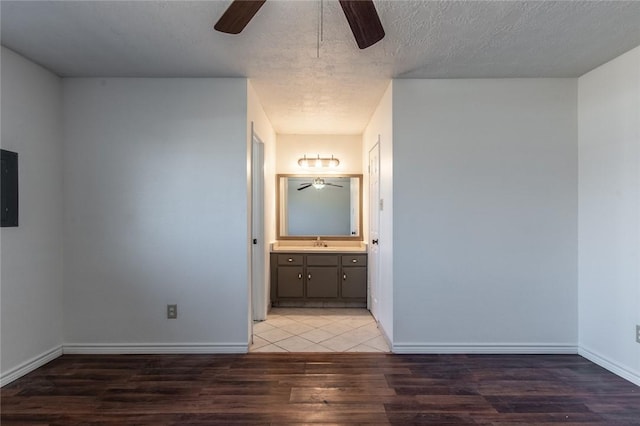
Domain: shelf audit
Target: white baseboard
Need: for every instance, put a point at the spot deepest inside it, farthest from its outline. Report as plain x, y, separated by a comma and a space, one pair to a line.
30, 365
154, 348
496, 348
610, 365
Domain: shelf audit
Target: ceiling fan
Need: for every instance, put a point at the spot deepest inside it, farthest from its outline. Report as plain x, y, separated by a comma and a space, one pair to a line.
317, 183
361, 14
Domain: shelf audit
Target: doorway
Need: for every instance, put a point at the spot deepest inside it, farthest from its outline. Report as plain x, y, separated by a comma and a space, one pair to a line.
318, 330
374, 225
258, 252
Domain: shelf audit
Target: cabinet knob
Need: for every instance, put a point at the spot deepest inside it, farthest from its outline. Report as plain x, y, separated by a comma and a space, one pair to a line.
354, 260
344, 277
309, 277
290, 259
300, 276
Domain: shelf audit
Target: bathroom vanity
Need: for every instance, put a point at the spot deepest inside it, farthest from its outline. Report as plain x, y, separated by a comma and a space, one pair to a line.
319, 259
335, 279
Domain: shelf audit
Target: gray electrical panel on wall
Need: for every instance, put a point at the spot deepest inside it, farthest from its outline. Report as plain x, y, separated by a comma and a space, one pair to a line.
9, 190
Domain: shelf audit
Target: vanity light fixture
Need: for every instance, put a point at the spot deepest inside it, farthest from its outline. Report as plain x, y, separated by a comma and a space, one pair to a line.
318, 162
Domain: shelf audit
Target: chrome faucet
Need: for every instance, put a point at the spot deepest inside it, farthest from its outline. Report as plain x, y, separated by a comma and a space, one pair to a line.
319, 243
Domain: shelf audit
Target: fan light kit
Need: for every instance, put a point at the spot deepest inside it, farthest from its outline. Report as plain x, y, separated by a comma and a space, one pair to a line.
361, 15
318, 162
318, 183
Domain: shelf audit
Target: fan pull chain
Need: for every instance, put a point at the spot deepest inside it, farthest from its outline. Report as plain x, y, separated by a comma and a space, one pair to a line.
320, 27
321, 20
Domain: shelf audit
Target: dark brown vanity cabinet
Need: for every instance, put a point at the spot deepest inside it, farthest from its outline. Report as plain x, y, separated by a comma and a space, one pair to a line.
354, 276
309, 278
290, 278
322, 276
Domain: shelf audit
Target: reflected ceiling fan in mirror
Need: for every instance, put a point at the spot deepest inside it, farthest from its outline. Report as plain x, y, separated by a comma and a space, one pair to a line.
317, 183
361, 14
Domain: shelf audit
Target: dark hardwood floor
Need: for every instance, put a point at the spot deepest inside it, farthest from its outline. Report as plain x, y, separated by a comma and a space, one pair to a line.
320, 388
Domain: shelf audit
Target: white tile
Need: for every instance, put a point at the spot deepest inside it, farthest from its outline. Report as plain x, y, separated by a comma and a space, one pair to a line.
262, 327
363, 348
317, 348
356, 322
270, 348
297, 311
280, 321
317, 335
366, 332
294, 344
274, 335
336, 328
373, 327
355, 337
296, 328
258, 342
379, 343
318, 330
317, 321
339, 343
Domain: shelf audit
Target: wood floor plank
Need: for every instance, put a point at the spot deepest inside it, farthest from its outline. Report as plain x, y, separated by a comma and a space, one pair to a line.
320, 388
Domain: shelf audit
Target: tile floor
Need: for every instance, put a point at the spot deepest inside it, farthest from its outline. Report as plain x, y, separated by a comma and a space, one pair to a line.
318, 330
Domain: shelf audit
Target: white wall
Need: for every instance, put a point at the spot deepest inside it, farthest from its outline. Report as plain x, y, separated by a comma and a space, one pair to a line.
609, 214
485, 215
31, 289
380, 128
263, 128
346, 148
155, 213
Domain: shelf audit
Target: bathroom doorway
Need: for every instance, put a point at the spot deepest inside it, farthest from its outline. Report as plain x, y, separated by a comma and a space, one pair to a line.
258, 245
318, 330
374, 224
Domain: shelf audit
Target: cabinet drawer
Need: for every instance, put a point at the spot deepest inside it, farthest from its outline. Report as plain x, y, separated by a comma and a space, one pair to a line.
290, 259
322, 260
354, 260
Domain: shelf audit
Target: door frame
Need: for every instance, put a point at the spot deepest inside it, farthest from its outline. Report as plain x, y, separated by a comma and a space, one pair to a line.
258, 256
373, 267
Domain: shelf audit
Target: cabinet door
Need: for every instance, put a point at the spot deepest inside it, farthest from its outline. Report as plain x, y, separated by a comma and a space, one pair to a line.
290, 282
322, 282
354, 282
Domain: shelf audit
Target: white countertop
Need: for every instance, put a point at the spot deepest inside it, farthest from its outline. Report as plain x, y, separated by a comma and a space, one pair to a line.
307, 246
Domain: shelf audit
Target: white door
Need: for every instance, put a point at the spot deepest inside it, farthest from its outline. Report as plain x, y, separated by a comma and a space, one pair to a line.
374, 224
258, 283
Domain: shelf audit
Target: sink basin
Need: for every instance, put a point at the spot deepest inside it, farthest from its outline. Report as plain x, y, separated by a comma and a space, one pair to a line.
307, 246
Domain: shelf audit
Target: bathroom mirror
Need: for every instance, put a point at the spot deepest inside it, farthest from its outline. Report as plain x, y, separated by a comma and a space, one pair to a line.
325, 206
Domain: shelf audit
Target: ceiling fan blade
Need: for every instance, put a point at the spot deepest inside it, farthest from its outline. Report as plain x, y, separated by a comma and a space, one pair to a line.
238, 15
333, 184
364, 21
304, 187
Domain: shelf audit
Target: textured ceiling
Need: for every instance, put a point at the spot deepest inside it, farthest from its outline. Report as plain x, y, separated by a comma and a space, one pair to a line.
337, 92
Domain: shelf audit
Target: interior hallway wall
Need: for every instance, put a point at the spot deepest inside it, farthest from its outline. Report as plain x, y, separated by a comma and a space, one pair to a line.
155, 213
609, 214
381, 125
262, 126
32, 253
485, 215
